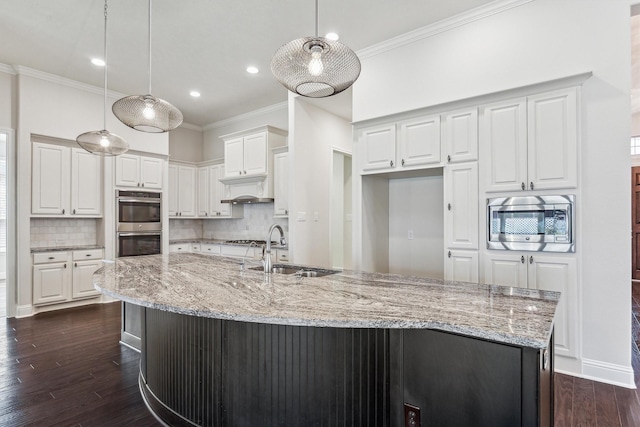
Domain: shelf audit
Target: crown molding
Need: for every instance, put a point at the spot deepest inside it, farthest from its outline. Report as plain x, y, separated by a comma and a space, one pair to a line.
31, 72
255, 113
7, 69
191, 126
461, 19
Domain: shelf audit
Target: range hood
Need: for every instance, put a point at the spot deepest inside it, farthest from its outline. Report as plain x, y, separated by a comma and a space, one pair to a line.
247, 199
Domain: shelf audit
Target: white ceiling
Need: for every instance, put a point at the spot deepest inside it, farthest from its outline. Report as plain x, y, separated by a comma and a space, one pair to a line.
204, 45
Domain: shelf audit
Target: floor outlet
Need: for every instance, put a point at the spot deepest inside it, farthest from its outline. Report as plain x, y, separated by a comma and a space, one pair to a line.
411, 416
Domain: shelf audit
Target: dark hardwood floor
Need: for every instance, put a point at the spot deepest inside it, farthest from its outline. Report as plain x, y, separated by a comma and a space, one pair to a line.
66, 368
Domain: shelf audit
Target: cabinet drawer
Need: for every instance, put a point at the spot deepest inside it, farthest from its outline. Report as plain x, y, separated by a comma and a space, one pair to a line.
282, 256
87, 254
195, 247
47, 257
210, 249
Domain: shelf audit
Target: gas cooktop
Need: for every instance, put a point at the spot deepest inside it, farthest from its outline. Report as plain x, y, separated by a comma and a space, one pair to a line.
248, 242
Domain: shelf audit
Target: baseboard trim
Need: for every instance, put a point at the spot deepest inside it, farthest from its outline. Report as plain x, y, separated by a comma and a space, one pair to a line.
24, 311
609, 373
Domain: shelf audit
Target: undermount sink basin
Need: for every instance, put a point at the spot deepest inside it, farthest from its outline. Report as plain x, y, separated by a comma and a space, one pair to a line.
299, 270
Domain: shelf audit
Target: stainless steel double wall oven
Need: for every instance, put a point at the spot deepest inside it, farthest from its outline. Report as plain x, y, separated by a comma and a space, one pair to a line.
139, 226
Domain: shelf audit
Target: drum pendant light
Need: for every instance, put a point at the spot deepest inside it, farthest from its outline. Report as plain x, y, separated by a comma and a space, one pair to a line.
103, 142
315, 67
147, 113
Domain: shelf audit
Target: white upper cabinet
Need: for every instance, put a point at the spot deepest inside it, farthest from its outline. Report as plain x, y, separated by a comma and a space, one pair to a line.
246, 155
211, 192
234, 157
203, 191
460, 135
461, 206
182, 190
503, 142
530, 143
419, 141
65, 181
378, 147
138, 171
553, 140
281, 184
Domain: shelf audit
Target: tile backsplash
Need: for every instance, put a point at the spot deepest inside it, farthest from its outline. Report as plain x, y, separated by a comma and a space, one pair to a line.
182, 229
255, 224
54, 232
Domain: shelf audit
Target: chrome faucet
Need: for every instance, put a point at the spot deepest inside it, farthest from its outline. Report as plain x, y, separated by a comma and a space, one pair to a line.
267, 255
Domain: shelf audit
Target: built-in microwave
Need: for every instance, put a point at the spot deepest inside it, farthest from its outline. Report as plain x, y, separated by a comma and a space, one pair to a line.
531, 223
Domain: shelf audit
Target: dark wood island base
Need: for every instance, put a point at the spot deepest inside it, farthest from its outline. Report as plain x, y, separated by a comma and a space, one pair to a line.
210, 372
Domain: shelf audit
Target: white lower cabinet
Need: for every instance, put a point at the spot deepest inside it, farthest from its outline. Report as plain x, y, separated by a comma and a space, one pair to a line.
180, 247
461, 265
547, 273
64, 276
209, 249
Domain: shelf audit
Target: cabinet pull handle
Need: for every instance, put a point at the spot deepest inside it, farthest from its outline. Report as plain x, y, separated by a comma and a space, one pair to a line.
402, 162
62, 210
531, 259
522, 259
75, 264
391, 163
52, 257
142, 185
531, 185
286, 212
88, 255
449, 254
138, 184
448, 206
448, 158
74, 211
522, 186
239, 172
245, 172
65, 266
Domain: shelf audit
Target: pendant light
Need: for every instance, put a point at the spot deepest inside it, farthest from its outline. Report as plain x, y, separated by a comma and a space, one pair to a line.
103, 142
147, 113
315, 67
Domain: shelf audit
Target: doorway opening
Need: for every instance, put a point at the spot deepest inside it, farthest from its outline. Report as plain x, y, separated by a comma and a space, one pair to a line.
341, 213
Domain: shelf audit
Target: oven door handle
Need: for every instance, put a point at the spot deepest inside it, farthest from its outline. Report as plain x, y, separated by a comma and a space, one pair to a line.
152, 233
134, 200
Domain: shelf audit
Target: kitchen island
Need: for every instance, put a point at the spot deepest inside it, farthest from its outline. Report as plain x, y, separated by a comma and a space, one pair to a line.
230, 347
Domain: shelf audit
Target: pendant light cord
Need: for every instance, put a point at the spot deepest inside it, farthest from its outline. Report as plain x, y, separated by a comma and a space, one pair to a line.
149, 47
317, 18
106, 64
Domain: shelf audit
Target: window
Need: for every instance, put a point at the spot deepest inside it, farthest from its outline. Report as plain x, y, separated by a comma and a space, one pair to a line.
635, 145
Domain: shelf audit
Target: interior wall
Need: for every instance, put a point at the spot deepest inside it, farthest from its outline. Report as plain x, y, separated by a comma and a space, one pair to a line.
213, 147
313, 135
513, 49
186, 144
348, 213
7, 100
415, 207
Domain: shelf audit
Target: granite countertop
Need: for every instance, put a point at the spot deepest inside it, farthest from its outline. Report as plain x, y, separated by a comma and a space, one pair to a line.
66, 248
205, 286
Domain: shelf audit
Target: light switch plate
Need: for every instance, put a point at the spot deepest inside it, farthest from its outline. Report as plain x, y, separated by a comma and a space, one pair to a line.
302, 216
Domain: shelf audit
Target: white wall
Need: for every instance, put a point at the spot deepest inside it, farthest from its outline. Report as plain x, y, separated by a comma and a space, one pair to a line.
186, 144
313, 134
532, 43
7, 100
213, 148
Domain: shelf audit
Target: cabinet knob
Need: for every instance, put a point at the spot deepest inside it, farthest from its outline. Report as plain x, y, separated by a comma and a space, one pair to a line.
522, 259
449, 254
88, 255
239, 172
449, 158
522, 186
286, 212
245, 172
62, 210
52, 257
402, 162
142, 185
531, 259
448, 206
391, 163
75, 264
138, 184
531, 185
74, 211
65, 266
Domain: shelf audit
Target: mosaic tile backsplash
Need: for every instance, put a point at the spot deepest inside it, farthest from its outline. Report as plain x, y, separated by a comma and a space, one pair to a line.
255, 225
51, 232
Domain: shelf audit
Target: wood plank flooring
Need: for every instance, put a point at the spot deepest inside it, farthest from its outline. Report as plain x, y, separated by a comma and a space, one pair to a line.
66, 368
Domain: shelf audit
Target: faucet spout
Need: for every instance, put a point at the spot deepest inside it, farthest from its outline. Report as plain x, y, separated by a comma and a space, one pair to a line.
267, 255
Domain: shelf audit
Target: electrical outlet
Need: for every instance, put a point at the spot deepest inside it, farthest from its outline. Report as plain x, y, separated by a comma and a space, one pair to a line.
411, 416
302, 216
410, 235
316, 216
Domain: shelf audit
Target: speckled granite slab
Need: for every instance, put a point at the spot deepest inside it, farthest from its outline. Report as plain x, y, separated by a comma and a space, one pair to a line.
66, 248
205, 286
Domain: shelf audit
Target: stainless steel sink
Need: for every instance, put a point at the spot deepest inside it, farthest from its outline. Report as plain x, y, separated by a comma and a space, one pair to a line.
299, 270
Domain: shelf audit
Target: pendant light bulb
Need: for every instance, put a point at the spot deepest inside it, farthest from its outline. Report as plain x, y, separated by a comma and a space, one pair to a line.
104, 141
148, 112
315, 65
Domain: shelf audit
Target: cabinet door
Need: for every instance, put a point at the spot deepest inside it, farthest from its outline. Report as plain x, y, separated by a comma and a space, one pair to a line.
255, 154
187, 191
50, 179
503, 136
461, 266
461, 135
173, 190
82, 282
555, 273
151, 172
234, 157
461, 205
210, 249
378, 147
203, 191
127, 170
419, 141
86, 183
505, 269
50, 283
553, 140
281, 184
217, 193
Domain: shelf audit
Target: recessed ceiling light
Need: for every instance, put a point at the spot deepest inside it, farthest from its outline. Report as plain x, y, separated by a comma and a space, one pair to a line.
332, 36
194, 93
97, 61
252, 70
